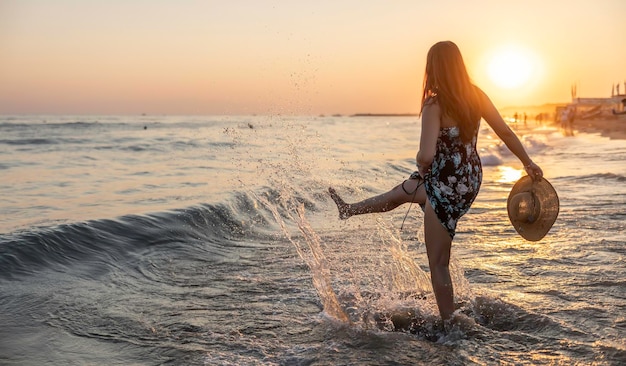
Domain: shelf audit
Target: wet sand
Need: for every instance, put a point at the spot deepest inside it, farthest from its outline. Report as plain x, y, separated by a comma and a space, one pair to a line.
612, 128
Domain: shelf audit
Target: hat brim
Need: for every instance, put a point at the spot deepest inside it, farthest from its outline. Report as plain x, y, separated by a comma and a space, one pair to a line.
549, 203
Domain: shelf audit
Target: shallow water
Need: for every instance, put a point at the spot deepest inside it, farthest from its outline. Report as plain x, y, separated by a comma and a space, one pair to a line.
211, 240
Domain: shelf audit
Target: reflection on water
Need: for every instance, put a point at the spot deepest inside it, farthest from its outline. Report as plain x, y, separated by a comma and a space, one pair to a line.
508, 174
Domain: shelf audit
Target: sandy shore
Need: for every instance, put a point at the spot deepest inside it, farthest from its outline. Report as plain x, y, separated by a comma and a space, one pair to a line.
611, 128
615, 129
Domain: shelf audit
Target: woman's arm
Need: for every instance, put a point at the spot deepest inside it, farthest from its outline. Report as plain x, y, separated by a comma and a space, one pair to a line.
431, 120
504, 132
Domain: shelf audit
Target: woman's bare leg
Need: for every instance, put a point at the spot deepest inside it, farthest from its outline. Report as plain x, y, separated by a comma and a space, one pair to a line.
438, 246
383, 202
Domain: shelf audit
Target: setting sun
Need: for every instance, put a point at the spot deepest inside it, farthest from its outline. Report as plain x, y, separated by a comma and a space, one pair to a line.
512, 67
212, 57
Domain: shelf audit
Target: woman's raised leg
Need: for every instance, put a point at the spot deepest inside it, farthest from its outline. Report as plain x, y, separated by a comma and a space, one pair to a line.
400, 194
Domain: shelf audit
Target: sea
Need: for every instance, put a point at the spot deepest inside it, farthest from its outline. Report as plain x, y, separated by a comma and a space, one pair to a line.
212, 240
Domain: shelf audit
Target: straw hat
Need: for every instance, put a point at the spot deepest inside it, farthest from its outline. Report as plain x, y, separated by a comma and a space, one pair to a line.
533, 207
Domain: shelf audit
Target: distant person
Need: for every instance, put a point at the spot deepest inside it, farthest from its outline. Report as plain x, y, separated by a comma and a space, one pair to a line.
571, 116
563, 117
449, 171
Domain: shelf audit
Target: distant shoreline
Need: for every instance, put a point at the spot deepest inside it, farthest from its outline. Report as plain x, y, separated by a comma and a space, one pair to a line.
384, 115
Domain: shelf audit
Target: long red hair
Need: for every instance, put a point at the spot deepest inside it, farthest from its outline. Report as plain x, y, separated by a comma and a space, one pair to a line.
447, 83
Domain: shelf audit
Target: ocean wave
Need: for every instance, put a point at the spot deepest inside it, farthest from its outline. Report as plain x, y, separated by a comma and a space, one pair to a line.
211, 228
42, 141
533, 144
494, 152
30, 124
34, 141
111, 241
596, 177
490, 160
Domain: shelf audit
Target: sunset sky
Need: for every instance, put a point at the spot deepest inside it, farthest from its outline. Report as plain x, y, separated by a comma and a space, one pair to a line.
296, 57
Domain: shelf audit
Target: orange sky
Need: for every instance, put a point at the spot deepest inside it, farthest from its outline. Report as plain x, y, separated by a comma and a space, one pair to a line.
292, 57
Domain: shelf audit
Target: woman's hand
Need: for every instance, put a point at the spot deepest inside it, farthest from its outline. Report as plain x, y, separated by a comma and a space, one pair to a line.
423, 170
534, 171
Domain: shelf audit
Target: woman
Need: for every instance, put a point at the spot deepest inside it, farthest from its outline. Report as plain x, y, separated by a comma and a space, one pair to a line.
449, 170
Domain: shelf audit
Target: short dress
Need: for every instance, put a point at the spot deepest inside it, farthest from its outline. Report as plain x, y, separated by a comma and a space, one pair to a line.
454, 178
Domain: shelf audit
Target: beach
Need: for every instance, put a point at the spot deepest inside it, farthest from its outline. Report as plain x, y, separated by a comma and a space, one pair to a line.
614, 128
211, 240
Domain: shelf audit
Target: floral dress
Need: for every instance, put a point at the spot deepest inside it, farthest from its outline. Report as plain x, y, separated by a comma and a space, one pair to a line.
454, 178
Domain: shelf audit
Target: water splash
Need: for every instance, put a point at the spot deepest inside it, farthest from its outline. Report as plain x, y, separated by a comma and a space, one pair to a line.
366, 298
311, 253
405, 274
399, 297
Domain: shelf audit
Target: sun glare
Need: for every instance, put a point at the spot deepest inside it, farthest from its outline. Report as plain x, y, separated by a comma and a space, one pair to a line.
511, 67
508, 174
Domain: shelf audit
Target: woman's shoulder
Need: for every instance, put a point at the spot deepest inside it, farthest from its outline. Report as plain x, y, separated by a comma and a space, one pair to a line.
431, 111
480, 94
431, 104
431, 99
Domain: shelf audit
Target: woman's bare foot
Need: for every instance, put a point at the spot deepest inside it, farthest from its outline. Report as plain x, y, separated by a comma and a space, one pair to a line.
462, 322
341, 205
